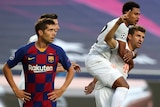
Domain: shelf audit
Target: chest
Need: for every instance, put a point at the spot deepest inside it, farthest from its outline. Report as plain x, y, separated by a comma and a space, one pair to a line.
48, 57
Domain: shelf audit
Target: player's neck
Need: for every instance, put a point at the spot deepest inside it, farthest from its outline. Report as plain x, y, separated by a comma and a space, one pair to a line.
131, 47
41, 46
126, 23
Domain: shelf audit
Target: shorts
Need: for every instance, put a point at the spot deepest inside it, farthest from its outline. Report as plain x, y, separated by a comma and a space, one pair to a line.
103, 97
21, 86
102, 69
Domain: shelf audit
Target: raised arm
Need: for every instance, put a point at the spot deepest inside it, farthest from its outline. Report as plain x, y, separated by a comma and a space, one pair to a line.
109, 38
125, 54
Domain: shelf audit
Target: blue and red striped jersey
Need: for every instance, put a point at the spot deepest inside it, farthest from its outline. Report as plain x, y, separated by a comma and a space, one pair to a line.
40, 70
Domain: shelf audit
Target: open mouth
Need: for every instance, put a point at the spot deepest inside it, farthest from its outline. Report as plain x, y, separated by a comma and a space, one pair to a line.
137, 21
139, 44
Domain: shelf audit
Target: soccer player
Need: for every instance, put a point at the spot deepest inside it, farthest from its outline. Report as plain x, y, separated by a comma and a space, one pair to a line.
103, 95
40, 60
33, 39
98, 60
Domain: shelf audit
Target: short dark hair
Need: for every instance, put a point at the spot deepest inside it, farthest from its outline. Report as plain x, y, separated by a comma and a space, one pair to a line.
129, 6
41, 24
52, 16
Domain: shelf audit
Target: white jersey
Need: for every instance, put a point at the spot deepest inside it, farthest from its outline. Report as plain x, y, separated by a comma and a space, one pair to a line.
33, 38
101, 47
98, 63
118, 61
102, 93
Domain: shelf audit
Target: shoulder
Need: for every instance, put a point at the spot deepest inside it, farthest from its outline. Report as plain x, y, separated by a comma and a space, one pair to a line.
108, 26
56, 47
123, 26
122, 32
29, 45
26, 47
122, 29
112, 22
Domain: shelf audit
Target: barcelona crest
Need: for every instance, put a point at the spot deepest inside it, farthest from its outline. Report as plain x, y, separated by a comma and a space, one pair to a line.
50, 59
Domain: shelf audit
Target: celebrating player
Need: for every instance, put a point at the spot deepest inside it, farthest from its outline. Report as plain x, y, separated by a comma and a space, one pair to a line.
98, 60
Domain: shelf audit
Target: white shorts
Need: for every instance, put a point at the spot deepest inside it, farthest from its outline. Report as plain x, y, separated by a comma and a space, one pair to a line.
21, 86
102, 69
103, 97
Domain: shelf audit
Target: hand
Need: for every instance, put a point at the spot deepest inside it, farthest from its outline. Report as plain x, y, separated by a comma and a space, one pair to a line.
128, 56
124, 17
24, 96
89, 89
76, 67
55, 94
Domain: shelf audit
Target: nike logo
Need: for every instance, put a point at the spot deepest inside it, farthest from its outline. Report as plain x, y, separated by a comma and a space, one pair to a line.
30, 58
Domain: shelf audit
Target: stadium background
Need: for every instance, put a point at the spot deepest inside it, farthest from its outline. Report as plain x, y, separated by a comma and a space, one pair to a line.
81, 22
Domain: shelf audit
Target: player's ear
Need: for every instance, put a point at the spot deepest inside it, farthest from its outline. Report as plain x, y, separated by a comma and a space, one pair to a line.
40, 32
129, 36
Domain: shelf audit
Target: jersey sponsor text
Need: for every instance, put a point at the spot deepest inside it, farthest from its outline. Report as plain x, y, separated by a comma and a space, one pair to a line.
39, 69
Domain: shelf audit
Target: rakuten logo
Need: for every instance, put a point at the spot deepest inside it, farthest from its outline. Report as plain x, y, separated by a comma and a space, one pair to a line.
39, 69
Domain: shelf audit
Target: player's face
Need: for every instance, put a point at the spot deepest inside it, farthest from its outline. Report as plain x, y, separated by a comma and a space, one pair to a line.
49, 34
137, 39
56, 25
134, 16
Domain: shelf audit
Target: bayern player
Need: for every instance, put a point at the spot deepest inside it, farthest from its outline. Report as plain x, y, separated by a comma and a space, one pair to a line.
103, 94
98, 60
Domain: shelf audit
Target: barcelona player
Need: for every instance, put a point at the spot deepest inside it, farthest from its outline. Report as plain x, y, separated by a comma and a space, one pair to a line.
39, 60
34, 38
